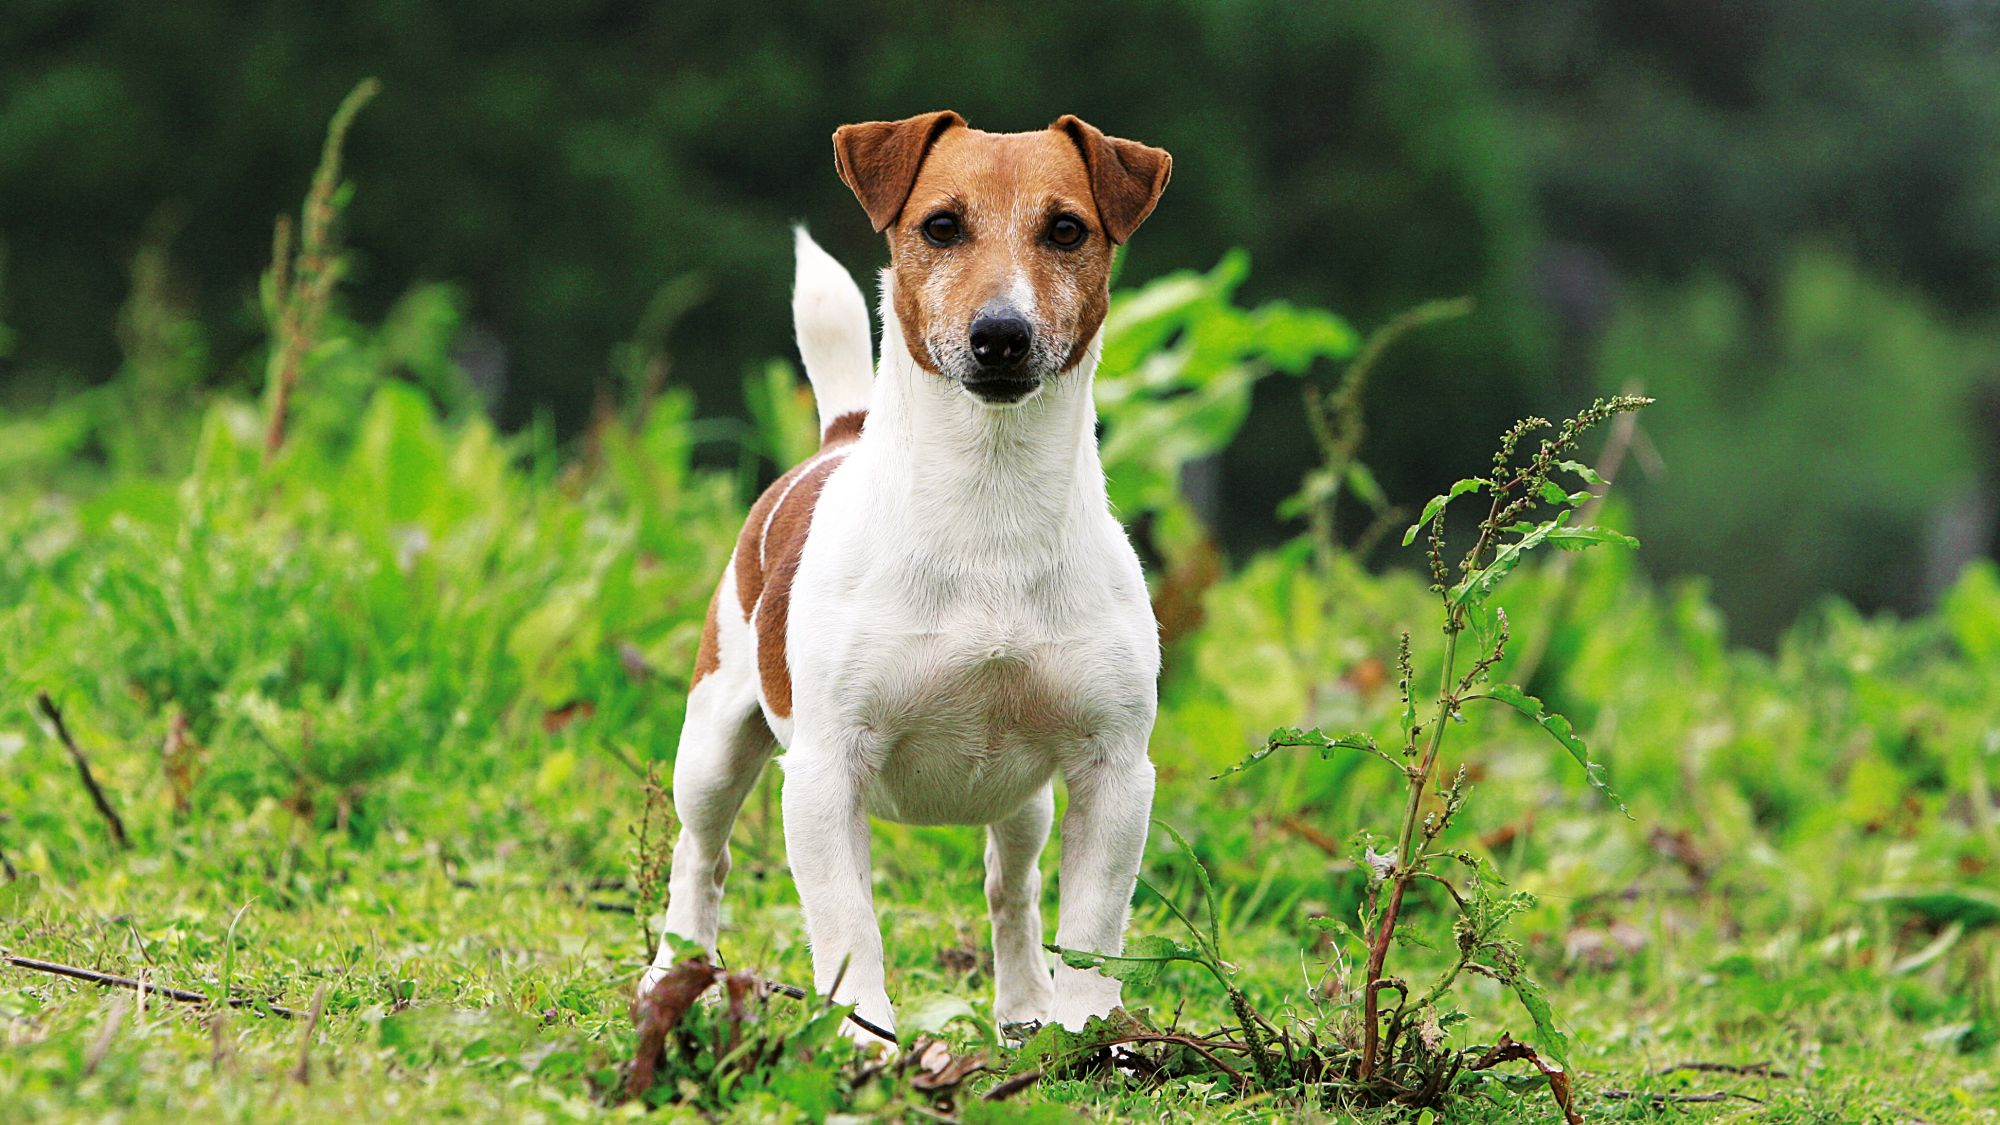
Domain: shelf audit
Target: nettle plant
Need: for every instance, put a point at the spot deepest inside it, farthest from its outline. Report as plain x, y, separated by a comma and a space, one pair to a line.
1386, 1040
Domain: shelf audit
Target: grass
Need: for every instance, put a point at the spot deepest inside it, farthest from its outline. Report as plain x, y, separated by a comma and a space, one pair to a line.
377, 708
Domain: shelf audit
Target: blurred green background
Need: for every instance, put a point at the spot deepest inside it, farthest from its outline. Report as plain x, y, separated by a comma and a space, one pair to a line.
1782, 217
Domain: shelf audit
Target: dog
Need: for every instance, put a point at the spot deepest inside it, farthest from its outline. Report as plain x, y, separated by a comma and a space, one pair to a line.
937, 613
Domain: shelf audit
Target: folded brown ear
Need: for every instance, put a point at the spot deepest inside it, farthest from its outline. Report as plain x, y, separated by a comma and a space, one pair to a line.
878, 160
1126, 176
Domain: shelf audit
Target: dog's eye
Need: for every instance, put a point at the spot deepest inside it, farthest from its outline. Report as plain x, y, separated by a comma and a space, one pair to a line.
941, 229
1066, 232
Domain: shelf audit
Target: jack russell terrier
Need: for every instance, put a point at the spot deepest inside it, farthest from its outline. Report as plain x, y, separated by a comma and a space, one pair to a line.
937, 612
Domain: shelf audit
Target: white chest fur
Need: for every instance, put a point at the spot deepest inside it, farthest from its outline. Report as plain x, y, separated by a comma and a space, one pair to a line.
968, 618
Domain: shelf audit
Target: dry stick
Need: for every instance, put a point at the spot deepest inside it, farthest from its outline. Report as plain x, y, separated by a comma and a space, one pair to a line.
797, 993
302, 1073
113, 1020
1013, 1086
1759, 1069
107, 980
54, 715
1674, 1099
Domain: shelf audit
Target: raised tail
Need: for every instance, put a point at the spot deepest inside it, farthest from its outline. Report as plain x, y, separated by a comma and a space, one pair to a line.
831, 320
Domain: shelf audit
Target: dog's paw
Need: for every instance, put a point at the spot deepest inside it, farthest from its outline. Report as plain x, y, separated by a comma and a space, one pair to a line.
1020, 1007
869, 1043
1081, 995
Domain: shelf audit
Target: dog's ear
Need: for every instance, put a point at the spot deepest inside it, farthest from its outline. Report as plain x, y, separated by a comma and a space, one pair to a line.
1125, 176
878, 160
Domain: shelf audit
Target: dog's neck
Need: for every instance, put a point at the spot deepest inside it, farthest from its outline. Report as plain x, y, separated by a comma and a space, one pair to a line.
1023, 472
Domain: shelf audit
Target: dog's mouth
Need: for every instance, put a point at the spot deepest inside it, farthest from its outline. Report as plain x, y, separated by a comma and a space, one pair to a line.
1001, 388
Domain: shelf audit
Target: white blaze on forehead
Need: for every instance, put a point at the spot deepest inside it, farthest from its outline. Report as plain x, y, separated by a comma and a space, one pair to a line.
1020, 297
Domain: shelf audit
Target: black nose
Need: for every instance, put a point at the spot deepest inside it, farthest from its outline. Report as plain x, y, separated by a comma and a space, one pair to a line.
1000, 341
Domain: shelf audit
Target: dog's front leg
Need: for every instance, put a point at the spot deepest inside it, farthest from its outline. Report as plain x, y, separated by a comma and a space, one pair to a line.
1021, 987
1103, 837
826, 838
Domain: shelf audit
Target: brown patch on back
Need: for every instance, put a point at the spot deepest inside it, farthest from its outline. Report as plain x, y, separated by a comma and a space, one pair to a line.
768, 551
708, 655
845, 428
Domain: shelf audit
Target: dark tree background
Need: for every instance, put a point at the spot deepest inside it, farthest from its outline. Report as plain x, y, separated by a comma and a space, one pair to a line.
1603, 175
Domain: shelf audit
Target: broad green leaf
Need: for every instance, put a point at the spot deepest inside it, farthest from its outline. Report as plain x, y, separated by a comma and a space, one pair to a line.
1559, 728
1553, 493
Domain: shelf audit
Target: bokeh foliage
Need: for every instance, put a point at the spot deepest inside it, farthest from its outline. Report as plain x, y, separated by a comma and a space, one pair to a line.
565, 168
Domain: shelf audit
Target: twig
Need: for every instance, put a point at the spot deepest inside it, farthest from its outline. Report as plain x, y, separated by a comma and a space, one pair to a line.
55, 718
797, 993
302, 1073
113, 1020
1675, 1099
1012, 1086
107, 980
218, 1046
1759, 1069
1235, 1076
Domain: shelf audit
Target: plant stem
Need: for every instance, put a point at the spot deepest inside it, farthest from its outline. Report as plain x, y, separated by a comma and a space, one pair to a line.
1378, 949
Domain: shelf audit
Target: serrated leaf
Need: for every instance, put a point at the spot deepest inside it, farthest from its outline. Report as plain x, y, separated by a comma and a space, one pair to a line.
1285, 738
1549, 1039
1437, 504
1559, 728
1144, 959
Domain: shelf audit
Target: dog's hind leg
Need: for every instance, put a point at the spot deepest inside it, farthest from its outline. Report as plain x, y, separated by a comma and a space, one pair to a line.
724, 745
1022, 989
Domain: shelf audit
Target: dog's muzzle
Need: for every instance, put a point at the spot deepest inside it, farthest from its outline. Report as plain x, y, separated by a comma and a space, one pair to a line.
1001, 342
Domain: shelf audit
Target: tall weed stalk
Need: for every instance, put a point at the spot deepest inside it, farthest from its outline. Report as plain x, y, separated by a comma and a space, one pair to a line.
1389, 1041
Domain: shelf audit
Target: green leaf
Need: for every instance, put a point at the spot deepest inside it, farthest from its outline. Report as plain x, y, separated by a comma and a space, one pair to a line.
1144, 959
932, 1013
1436, 506
1969, 906
1285, 738
1361, 481
1552, 493
1549, 1039
1482, 582
1559, 728
1581, 538
1589, 474
1211, 902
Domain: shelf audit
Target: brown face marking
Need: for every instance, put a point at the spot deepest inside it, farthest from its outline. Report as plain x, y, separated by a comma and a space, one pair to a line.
767, 557
1003, 193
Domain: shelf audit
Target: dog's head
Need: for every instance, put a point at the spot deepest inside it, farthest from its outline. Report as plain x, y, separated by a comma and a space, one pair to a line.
1001, 242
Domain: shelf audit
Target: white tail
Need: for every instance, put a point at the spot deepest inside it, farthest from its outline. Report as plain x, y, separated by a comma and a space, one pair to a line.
831, 320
